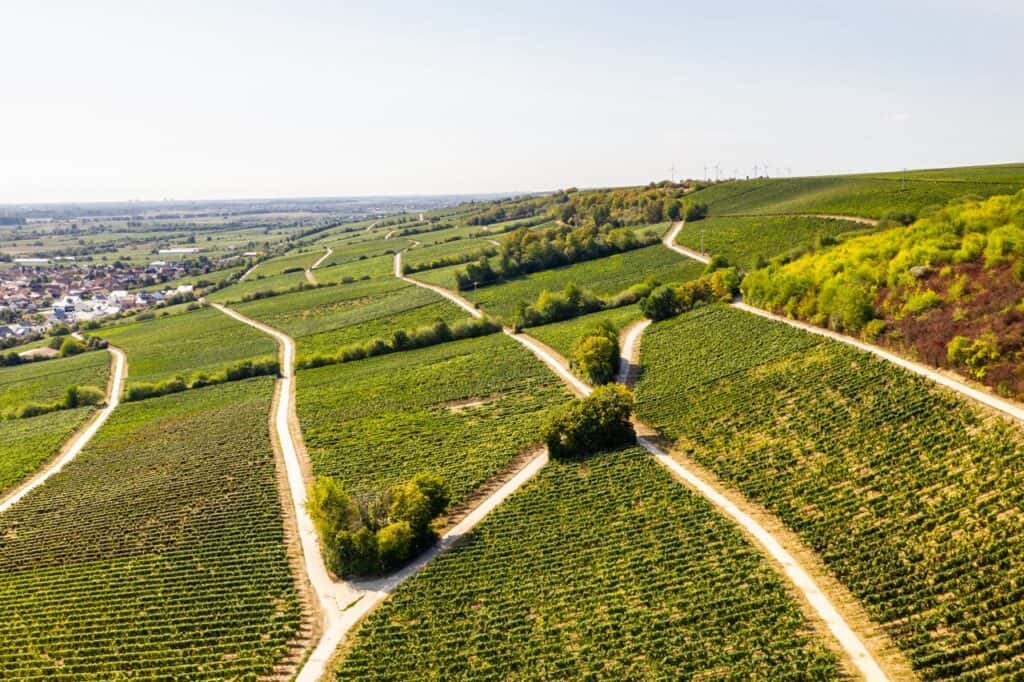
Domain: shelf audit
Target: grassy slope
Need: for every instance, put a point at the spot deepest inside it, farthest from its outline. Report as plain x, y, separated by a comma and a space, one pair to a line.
379, 421
910, 496
741, 240
606, 569
257, 282
863, 195
46, 381
603, 276
202, 340
26, 443
157, 552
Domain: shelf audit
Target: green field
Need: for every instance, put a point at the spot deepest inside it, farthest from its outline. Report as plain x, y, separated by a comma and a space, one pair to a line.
743, 240
872, 195
603, 276
562, 336
463, 409
326, 319
199, 341
374, 267
157, 553
46, 381
604, 570
25, 444
256, 282
909, 495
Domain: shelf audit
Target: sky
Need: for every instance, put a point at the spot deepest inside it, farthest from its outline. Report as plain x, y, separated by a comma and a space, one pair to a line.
190, 100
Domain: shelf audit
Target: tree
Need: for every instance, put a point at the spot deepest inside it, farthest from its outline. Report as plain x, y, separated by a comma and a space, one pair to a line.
660, 304
332, 509
673, 209
596, 357
71, 346
598, 422
395, 544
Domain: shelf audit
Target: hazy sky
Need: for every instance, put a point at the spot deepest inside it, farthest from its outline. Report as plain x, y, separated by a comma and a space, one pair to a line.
146, 100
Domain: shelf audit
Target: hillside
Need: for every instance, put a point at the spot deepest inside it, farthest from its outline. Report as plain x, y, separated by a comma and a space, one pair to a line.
372, 456
946, 289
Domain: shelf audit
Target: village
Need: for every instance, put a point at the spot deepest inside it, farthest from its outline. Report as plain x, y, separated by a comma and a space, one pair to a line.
37, 294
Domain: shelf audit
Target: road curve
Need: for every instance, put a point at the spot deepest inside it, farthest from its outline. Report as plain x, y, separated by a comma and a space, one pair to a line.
79, 440
670, 242
321, 259
345, 603
1005, 406
847, 639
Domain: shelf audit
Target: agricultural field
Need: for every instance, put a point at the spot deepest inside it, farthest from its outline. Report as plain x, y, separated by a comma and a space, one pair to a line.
325, 319
353, 250
201, 281
379, 267
909, 495
25, 444
562, 336
157, 553
871, 196
747, 241
603, 276
46, 381
204, 340
462, 409
601, 569
290, 262
256, 282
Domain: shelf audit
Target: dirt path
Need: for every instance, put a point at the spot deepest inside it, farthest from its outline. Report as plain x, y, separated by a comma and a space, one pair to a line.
248, 272
1006, 407
829, 216
321, 259
343, 604
850, 643
670, 241
391, 234
74, 445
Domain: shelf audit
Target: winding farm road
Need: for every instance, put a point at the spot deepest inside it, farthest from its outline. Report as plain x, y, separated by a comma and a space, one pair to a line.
78, 441
800, 578
345, 603
310, 277
1006, 407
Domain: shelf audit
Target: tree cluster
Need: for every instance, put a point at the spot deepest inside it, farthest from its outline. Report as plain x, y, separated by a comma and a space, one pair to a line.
595, 356
592, 424
524, 251
377, 533
671, 300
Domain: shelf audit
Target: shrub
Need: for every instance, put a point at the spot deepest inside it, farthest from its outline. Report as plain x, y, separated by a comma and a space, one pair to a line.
717, 262
378, 532
395, 544
661, 304
696, 211
978, 354
596, 355
79, 396
921, 301
598, 422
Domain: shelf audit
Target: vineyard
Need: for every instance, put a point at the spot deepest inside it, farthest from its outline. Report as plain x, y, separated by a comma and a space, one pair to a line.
604, 276
562, 336
199, 341
463, 410
748, 241
324, 320
25, 444
46, 381
158, 553
872, 196
606, 569
910, 496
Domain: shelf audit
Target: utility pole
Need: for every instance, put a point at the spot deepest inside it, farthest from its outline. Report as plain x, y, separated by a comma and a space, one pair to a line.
903, 180
673, 175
